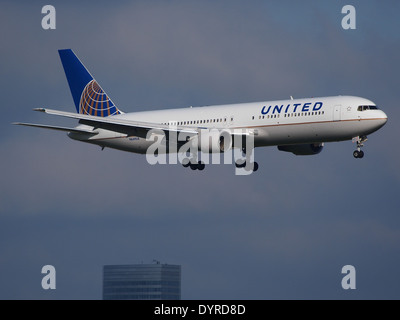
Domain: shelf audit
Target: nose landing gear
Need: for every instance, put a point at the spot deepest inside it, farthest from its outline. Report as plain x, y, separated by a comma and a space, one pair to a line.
358, 154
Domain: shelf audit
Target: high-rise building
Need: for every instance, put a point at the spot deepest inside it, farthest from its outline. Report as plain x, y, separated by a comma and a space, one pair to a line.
142, 282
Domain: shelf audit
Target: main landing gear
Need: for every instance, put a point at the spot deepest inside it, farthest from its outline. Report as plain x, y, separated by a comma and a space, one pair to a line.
199, 165
358, 154
194, 164
243, 164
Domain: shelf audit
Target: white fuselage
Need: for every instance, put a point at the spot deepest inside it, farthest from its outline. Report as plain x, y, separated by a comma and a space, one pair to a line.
282, 122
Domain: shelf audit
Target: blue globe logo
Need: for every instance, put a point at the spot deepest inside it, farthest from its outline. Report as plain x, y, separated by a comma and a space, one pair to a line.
95, 102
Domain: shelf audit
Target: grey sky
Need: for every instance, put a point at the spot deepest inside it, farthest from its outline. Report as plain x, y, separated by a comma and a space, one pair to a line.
282, 233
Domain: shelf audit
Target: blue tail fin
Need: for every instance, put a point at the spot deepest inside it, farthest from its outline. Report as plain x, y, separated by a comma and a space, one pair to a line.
89, 97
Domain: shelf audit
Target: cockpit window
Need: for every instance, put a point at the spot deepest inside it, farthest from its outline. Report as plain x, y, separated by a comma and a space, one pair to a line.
363, 108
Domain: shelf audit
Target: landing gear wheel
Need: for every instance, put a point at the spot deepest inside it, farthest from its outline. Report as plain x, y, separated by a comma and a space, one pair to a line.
358, 154
186, 162
240, 165
194, 166
243, 165
255, 166
201, 165
197, 166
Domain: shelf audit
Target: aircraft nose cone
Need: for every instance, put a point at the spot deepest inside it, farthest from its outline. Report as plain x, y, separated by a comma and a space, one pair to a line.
384, 117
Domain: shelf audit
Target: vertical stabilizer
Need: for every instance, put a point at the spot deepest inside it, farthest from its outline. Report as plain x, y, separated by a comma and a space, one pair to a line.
89, 97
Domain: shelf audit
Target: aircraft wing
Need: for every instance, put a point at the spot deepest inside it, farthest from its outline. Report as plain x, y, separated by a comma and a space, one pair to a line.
129, 127
55, 128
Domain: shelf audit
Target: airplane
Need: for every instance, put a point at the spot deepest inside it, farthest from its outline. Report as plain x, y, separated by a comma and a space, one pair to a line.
300, 126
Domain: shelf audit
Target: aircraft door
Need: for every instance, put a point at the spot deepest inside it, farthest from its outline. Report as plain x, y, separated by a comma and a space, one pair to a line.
337, 112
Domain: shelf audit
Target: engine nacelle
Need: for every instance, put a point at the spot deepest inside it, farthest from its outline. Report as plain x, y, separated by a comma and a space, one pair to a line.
214, 141
303, 149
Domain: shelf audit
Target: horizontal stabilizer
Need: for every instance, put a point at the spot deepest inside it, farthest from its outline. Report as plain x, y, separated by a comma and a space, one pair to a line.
55, 128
